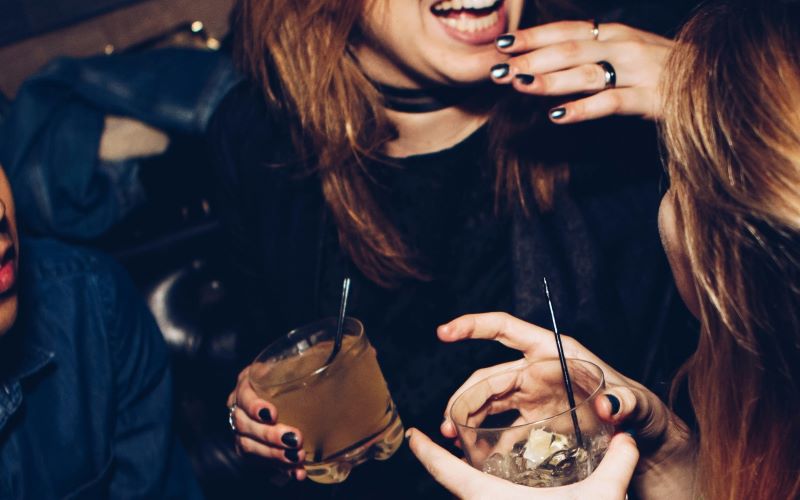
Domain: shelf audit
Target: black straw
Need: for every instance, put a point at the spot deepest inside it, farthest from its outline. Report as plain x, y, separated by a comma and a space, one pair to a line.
337, 344
564, 370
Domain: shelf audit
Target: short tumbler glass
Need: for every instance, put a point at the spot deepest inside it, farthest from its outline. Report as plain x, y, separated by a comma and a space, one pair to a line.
343, 409
517, 424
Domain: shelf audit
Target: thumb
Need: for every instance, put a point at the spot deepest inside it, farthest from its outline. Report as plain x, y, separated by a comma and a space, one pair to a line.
615, 471
637, 409
458, 477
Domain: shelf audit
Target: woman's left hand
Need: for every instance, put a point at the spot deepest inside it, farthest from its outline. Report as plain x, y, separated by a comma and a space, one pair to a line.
608, 482
562, 58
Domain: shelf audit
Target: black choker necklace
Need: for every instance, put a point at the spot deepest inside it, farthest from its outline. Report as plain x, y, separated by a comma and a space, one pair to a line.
422, 100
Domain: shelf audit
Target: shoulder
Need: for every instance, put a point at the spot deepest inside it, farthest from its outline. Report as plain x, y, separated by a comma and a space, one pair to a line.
77, 284
246, 133
43, 261
243, 117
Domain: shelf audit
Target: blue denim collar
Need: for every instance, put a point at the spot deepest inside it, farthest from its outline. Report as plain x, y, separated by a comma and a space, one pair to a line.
33, 359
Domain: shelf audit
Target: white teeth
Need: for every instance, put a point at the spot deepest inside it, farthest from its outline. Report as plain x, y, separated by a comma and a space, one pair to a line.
469, 25
463, 4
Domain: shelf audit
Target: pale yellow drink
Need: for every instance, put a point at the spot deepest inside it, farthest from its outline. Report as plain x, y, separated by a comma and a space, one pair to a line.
344, 410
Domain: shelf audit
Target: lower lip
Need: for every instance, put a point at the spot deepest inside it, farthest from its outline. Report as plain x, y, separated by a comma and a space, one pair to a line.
8, 276
480, 37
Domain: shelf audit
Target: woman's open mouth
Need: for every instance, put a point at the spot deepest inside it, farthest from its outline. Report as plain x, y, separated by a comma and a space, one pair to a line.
473, 21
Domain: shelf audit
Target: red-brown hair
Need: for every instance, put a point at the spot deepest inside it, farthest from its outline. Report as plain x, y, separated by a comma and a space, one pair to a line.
298, 52
732, 133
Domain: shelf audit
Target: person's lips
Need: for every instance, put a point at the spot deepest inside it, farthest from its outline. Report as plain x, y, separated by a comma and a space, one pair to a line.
8, 267
476, 22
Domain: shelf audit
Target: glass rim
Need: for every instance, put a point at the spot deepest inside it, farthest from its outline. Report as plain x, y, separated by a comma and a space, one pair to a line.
600, 384
359, 334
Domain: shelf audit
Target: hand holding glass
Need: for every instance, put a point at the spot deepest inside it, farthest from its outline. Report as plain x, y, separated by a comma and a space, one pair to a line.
517, 424
343, 409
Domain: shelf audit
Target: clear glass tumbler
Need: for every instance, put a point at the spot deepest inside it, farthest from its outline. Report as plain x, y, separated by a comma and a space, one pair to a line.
343, 409
517, 424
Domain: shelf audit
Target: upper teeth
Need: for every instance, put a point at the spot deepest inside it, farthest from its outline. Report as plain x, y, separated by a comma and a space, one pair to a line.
471, 25
463, 4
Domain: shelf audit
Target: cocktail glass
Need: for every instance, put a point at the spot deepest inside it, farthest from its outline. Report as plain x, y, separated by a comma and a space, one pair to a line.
343, 409
517, 424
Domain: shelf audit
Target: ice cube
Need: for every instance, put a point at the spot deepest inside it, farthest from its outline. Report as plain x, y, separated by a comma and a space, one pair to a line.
542, 444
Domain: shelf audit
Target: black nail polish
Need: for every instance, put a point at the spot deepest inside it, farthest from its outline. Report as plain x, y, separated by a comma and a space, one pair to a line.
558, 113
525, 79
630, 431
612, 399
504, 41
265, 415
499, 70
289, 439
292, 456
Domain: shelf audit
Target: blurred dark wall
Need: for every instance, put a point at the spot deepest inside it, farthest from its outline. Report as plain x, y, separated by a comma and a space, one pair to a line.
26, 18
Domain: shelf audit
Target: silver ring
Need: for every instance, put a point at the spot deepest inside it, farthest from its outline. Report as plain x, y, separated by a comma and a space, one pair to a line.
231, 420
595, 29
609, 73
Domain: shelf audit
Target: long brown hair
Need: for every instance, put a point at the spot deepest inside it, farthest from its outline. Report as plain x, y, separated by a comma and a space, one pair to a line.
299, 52
732, 134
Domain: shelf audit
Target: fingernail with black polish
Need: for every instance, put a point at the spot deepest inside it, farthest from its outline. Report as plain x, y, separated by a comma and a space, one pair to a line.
499, 70
292, 456
612, 399
525, 79
558, 113
265, 415
289, 439
504, 41
630, 431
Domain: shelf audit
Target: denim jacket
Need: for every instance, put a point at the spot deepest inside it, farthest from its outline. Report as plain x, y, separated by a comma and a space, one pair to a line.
85, 387
50, 136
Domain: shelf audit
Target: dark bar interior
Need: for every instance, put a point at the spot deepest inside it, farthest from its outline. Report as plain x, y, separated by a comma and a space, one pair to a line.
185, 185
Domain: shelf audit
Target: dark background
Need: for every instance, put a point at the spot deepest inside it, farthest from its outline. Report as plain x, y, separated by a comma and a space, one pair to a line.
25, 18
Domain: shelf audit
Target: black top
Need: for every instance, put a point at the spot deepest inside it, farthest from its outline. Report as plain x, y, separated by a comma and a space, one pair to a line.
599, 249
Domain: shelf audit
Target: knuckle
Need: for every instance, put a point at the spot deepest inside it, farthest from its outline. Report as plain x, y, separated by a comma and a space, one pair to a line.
591, 75
570, 49
521, 64
614, 102
545, 85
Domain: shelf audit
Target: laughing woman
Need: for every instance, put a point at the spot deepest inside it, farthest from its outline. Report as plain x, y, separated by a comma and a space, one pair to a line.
416, 146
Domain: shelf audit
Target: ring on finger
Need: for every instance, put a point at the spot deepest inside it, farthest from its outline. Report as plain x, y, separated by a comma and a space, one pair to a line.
231, 418
595, 29
609, 73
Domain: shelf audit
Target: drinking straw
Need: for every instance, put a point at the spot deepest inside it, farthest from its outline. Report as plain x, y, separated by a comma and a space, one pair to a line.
337, 344
564, 370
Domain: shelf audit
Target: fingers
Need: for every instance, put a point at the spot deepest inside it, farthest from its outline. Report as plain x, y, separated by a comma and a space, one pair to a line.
292, 456
502, 327
616, 469
584, 78
623, 101
448, 428
636, 409
455, 475
257, 432
278, 435
564, 31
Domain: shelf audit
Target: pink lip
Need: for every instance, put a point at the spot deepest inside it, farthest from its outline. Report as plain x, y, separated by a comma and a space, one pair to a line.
481, 37
8, 276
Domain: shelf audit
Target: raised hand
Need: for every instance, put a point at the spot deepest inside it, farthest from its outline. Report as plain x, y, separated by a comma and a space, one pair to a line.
619, 67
